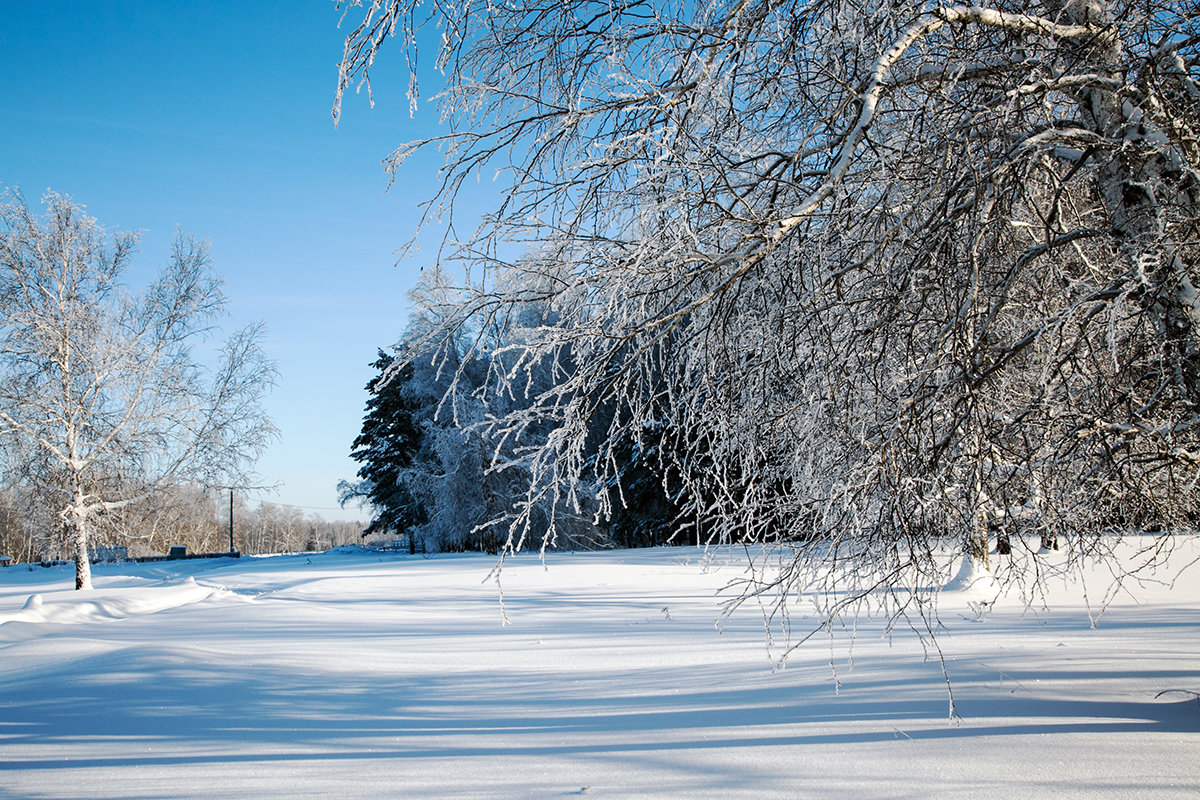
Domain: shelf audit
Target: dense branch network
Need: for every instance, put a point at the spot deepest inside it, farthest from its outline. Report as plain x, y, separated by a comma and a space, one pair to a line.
889, 274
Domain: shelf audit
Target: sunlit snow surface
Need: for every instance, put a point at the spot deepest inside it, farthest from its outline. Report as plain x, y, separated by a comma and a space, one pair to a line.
359, 674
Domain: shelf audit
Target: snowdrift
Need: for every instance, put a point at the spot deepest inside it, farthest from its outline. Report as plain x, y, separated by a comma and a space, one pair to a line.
366, 675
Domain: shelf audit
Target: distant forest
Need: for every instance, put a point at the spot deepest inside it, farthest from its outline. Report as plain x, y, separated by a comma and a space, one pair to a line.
185, 515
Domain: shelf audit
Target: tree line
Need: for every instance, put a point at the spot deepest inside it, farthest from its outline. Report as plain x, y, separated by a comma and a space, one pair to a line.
180, 515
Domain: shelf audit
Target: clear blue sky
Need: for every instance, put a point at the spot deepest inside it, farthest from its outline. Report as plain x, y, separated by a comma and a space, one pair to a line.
214, 118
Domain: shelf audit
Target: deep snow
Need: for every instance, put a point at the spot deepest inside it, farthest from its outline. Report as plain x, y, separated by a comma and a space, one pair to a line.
362, 674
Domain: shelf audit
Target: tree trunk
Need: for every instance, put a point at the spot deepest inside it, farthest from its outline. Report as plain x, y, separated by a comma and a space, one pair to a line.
83, 566
977, 544
1143, 184
1003, 542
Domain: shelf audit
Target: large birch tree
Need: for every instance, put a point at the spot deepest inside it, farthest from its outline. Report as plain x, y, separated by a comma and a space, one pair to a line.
103, 398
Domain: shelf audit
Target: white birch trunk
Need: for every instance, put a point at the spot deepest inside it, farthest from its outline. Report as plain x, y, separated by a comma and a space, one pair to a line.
83, 565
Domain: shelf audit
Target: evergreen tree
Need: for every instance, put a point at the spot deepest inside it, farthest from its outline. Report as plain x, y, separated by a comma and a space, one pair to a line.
390, 438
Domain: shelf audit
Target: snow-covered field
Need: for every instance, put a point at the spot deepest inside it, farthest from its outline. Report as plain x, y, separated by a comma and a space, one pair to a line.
359, 674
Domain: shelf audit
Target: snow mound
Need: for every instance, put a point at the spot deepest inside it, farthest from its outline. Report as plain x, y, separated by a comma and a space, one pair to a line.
974, 579
107, 604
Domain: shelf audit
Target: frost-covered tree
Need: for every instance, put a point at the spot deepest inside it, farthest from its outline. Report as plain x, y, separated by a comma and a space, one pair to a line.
462, 475
449, 382
103, 400
904, 273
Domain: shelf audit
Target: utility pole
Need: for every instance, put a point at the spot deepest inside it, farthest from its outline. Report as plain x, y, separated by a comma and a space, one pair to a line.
231, 519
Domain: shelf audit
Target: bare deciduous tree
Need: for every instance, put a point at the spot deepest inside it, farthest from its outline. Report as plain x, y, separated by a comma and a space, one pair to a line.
102, 398
890, 272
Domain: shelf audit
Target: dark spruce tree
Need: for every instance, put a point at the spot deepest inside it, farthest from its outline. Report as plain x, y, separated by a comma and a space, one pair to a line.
390, 438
